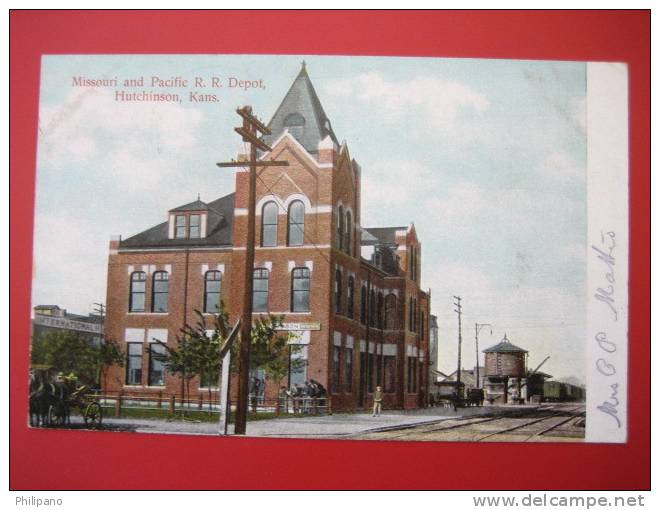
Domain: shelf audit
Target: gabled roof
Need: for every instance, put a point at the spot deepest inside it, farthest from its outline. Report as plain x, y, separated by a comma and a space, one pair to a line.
380, 235
197, 205
302, 114
219, 229
504, 346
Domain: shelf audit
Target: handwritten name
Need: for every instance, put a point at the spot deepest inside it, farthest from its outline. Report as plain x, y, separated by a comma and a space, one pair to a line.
606, 294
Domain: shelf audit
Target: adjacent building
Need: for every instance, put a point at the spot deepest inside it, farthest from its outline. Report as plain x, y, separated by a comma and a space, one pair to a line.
350, 295
52, 318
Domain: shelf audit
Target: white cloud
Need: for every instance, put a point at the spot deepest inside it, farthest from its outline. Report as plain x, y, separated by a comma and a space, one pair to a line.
136, 144
440, 102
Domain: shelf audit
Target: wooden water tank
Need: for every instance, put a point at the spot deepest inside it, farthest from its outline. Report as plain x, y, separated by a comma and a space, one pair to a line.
506, 360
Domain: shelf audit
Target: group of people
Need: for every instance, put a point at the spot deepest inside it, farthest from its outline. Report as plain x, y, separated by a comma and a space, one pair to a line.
304, 398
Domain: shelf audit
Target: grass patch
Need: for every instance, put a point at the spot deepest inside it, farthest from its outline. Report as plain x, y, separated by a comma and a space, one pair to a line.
194, 415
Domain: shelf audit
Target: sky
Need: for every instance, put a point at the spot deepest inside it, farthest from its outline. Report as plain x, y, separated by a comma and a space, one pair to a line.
486, 157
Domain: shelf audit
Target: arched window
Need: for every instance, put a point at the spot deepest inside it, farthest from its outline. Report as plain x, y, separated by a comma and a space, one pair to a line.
410, 314
269, 224
212, 281
363, 305
160, 291
138, 289
390, 312
296, 231
300, 289
349, 230
414, 314
260, 290
337, 291
340, 227
350, 296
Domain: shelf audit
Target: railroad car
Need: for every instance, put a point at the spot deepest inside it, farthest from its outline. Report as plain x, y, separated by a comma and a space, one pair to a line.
554, 391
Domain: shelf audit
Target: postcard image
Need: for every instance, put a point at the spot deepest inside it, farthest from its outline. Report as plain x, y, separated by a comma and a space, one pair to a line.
358, 248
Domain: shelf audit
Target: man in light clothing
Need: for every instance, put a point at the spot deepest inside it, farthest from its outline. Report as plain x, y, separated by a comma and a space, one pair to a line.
378, 400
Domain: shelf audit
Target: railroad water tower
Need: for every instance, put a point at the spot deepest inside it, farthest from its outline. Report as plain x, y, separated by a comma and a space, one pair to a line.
506, 367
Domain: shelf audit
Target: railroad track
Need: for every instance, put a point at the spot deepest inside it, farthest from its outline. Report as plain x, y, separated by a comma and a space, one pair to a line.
537, 422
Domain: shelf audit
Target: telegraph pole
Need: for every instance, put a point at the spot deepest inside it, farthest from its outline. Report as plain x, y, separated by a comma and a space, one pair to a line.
477, 328
459, 311
250, 131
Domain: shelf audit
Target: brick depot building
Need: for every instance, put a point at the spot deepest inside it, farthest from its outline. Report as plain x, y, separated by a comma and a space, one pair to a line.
350, 295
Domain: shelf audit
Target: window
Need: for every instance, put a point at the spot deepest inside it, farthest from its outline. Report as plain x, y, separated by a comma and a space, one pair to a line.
390, 312
410, 314
371, 360
372, 308
300, 290
180, 232
160, 291
212, 281
298, 374
296, 230
134, 363
350, 296
349, 226
156, 366
194, 226
340, 227
336, 360
380, 310
260, 290
414, 325
337, 291
363, 305
390, 373
269, 224
138, 288
409, 366
348, 370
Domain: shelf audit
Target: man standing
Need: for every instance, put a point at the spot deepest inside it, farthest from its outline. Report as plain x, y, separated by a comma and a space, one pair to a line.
378, 400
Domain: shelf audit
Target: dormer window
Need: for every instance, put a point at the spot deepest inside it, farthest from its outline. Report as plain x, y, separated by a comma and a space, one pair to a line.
188, 225
194, 226
180, 226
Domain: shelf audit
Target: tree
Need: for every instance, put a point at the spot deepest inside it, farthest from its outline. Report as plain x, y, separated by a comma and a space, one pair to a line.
271, 350
70, 352
109, 354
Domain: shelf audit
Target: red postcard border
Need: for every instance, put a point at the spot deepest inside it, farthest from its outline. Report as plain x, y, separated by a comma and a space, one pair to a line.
49, 459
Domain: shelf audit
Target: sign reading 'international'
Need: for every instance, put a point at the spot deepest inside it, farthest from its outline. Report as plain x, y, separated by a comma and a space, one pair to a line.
62, 323
300, 326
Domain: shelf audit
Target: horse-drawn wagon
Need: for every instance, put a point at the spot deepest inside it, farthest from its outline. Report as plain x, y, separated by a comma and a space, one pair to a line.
53, 397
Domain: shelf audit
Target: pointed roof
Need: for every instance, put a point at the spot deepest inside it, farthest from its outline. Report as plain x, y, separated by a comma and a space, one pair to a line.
302, 115
504, 346
197, 205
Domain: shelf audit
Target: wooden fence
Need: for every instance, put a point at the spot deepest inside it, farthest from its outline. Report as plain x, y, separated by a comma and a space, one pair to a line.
172, 403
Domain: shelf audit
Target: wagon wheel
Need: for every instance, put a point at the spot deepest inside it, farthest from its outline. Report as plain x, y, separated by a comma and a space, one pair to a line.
57, 414
93, 415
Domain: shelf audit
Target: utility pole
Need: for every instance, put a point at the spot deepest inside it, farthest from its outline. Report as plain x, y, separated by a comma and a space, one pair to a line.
477, 328
459, 311
250, 131
99, 308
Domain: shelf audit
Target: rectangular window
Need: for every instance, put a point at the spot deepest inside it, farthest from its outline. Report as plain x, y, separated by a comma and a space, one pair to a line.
180, 226
194, 226
372, 371
298, 373
134, 363
260, 290
300, 290
348, 370
409, 369
379, 370
390, 373
336, 360
156, 366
